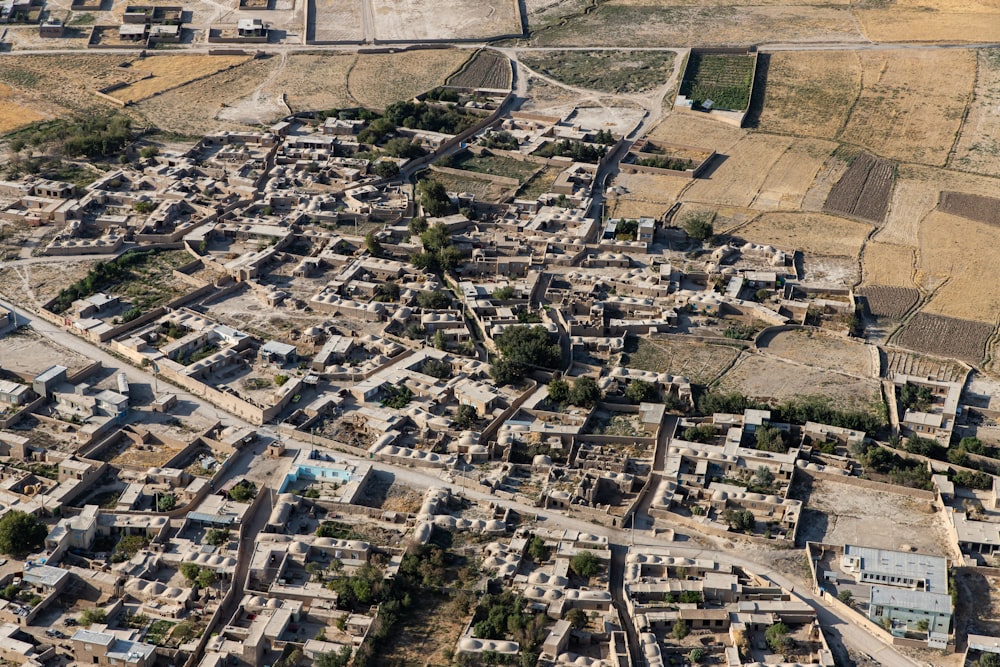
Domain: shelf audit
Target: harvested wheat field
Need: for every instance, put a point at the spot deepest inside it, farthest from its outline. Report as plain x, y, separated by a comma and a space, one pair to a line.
978, 146
918, 190
810, 93
157, 74
791, 176
911, 103
56, 84
314, 82
738, 179
812, 233
378, 80
822, 350
888, 264
690, 130
768, 378
698, 362
962, 253
185, 110
945, 336
13, 114
658, 188
889, 302
632, 208
932, 21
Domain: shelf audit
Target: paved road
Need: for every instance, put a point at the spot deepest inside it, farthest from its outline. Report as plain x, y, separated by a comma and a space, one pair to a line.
853, 636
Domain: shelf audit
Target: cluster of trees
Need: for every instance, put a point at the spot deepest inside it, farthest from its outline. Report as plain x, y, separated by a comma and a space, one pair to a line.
900, 471
127, 547
202, 576
699, 227
777, 637
578, 151
502, 140
913, 397
423, 116
443, 95
101, 277
585, 564
94, 136
243, 492
640, 391
166, 502
627, 230
466, 416
662, 162
360, 590
21, 533
397, 397
583, 393
438, 368
506, 615
770, 439
434, 300
522, 347
433, 199
740, 520
798, 411
439, 254
700, 433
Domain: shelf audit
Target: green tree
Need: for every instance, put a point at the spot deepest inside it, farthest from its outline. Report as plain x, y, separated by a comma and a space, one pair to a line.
166, 502
844, 596
537, 549
216, 536
640, 391
585, 564
433, 198
989, 660
372, 245
699, 227
777, 637
434, 300
93, 615
21, 533
148, 152
763, 476
771, 439
243, 492
418, 225
558, 391
190, 571
206, 578
740, 520
466, 416
506, 371
696, 655
576, 617
680, 630
503, 293
584, 392
339, 658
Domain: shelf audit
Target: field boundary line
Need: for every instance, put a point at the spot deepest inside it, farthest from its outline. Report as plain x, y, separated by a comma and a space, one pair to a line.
347, 80
950, 158
924, 299
850, 110
463, 67
180, 85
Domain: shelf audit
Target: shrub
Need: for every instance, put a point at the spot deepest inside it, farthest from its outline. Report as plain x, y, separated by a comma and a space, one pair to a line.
699, 227
91, 616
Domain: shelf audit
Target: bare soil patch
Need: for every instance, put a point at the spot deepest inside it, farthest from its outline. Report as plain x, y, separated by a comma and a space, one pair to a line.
738, 179
821, 350
698, 362
946, 336
812, 233
27, 354
810, 93
418, 20
693, 130
864, 189
841, 514
935, 21
790, 178
313, 82
772, 379
156, 74
912, 103
974, 207
887, 301
13, 114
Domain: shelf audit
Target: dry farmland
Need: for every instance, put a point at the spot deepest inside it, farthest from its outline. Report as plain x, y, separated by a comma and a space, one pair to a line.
931, 21
12, 114
738, 179
889, 302
888, 264
657, 188
864, 189
769, 378
626, 23
911, 103
812, 233
314, 82
909, 363
945, 336
486, 69
378, 80
973, 207
809, 93
55, 84
791, 176
822, 350
978, 147
698, 362
160, 73
609, 71
416, 20
961, 254
335, 21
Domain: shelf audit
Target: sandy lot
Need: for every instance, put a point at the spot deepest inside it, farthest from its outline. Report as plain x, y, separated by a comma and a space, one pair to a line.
766, 377
978, 147
694, 130
698, 362
336, 21
911, 104
812, 233
887, 264
810, 93
406, 20
13, 114
822, 350
738, 179
28, 354
381, 79
841, 514
791, 176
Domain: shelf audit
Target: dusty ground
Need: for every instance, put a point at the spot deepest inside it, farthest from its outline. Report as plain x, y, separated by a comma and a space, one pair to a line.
336, 21
28, 354
959, 253
790, 178
810, 93
170, 72
414, 20
822, 350
698, 362
937, 20
637, 189
35, 284
693, 130
978, 147
841, 514
766, 377
887, 264
911, 103
812, 233
13, 114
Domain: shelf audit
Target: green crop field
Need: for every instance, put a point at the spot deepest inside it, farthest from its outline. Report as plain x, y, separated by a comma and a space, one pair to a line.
723, 78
